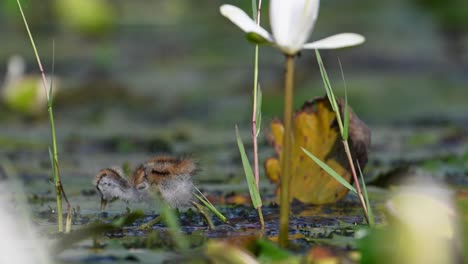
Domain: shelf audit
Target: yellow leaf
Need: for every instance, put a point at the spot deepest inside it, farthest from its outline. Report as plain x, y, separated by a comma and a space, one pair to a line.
315, 129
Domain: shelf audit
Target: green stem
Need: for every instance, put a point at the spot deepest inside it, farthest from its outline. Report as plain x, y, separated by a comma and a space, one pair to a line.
31, 39
350, 160
209, 205
370, 214
58, 191
255, 106
260, 216
351, 165
287, 149
58, 186
254, 119
254, 135
356, 181
339, 121
258, 9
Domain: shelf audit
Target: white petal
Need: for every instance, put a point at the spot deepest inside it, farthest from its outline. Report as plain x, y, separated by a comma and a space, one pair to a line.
243, 21
336, 41
292, 22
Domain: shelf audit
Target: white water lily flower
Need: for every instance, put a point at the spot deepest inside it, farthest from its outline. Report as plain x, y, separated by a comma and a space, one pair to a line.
291, 22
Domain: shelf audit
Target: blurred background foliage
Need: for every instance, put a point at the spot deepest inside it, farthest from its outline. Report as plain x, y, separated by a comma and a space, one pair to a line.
181, 59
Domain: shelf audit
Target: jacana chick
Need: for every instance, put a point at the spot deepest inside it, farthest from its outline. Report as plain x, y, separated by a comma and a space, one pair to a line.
111, 185
171, 177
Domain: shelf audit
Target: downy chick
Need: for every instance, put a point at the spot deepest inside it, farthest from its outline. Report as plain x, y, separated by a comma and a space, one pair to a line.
170, 177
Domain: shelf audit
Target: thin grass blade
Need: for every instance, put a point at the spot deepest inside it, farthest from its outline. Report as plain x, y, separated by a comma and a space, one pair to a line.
345, 132
33, 44
326, 82
254, 193
330, 171
370, 213
210, 206
51, 120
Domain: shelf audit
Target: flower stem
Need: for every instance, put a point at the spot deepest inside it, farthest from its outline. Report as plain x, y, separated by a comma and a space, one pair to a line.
254, 117
287, 149
255, 106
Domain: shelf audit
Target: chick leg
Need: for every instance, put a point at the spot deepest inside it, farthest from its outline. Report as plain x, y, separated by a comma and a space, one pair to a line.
203, 213
103, 204
150, 224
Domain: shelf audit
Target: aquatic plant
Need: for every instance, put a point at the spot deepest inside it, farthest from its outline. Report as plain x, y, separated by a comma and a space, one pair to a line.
253, 177
344, 128
53, 153
291, 23
253, 188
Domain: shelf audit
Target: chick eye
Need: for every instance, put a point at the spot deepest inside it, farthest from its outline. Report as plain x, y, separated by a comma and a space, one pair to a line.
141, 186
